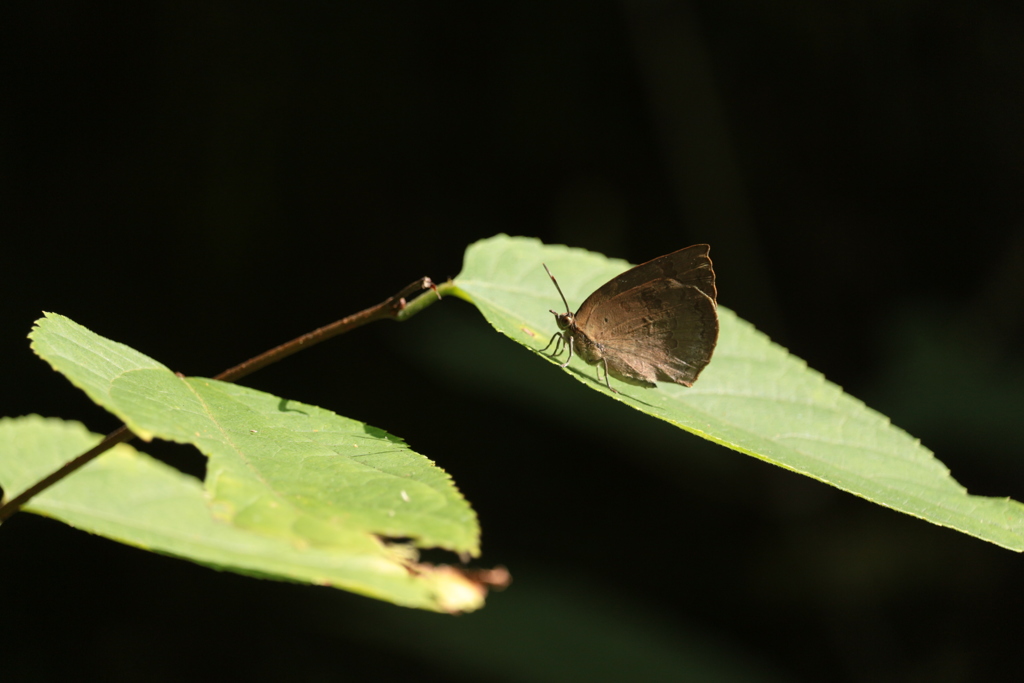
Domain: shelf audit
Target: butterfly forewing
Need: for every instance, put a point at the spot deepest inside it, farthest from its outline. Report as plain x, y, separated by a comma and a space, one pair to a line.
689, 266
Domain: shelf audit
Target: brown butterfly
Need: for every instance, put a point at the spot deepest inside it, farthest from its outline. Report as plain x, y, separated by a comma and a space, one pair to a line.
657, 322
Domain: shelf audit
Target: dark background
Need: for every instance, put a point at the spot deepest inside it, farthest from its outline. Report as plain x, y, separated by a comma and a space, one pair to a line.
204, 180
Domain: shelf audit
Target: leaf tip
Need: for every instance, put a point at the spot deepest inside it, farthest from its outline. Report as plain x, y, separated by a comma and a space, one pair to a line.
463, 590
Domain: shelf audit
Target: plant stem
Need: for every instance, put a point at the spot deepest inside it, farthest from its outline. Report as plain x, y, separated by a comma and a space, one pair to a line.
394, 307
390, 308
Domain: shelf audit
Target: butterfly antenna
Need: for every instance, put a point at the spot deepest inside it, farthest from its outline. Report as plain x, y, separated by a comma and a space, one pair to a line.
557, 287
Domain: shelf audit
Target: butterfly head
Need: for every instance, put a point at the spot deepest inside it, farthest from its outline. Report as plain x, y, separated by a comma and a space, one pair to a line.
565, 321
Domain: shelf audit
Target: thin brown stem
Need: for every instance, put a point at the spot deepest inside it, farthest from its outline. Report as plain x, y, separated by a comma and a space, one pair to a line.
112, 439
394, 308
386, 309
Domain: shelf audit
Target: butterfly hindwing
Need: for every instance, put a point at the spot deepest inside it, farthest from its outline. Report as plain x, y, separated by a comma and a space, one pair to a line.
659, 331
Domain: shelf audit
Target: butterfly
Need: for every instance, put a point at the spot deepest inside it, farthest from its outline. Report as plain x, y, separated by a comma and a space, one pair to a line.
656, 322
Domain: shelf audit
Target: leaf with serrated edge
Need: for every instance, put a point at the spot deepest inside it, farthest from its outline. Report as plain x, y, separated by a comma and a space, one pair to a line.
754, 397
130, 497
278, 467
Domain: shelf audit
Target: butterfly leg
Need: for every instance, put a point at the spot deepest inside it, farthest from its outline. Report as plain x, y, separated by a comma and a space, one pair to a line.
568, 345
557, 340
606, 382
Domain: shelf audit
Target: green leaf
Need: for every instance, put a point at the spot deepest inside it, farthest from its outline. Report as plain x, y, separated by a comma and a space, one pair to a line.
754, 397
280, 468
130, 497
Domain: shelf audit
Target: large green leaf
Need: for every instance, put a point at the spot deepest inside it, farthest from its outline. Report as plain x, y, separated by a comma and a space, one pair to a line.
280, 468
754, 397
130, 497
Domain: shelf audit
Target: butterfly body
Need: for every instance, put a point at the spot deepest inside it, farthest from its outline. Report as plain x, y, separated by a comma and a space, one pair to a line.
657, 322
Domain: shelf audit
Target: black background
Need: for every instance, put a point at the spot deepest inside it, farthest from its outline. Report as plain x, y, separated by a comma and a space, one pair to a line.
204, 180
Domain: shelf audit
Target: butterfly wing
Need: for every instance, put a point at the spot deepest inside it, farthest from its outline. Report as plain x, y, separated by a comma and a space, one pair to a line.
657, 321
689, 266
